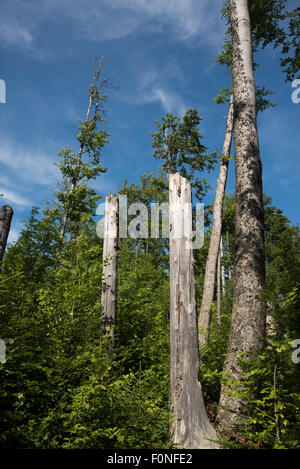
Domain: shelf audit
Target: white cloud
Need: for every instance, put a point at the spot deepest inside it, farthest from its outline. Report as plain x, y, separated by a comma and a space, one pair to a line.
30, 165
189, 17
14, 198
99, 20
153, 85
14, 33
170, 101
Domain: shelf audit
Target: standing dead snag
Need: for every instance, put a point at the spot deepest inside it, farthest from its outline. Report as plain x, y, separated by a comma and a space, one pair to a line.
191, 427
6, 214
109, 274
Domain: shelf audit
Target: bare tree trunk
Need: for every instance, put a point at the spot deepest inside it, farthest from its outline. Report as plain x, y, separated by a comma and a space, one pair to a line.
219, 288
228, 255
109, 274
222, 267
191, 427
6, 214
211, 263
248, 319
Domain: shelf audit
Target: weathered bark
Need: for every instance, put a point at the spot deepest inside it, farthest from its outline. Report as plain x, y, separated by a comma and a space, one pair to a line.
6, 214
248, 319
191, 427
211, 263
109, 274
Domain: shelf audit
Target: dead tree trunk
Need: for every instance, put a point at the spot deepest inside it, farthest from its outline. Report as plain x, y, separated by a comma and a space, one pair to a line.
191, 427
211, 263
109, 274
248, 318
6, 214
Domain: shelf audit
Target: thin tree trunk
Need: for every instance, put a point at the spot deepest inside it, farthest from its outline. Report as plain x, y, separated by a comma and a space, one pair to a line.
96, 73
211, 263
190, 427
228, 255
248, 319
109, 274
219, 288
222, 267
6, 214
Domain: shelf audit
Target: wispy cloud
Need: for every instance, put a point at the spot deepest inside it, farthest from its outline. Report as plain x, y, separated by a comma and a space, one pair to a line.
14, 33
14, 198
28, 165
21, 22
153, 85
170, 101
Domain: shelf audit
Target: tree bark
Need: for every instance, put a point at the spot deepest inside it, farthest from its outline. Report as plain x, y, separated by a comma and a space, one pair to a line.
219, 288
228, 255
190, 427
222, 267
248, 319
6, 214
211, 263
109, 274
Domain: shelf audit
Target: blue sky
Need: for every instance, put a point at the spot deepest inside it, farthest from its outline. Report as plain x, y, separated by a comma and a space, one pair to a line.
161, 53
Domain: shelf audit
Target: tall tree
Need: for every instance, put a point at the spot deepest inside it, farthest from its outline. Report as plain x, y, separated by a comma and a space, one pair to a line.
248, 320
211, 263
6, 214
75, 197
190, 427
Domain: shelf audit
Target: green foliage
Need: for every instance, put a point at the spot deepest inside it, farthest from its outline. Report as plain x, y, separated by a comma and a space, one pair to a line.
262, 101
58, 387
127, 412
214, 352
271, 23
76, 200
178, 143
272, 413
